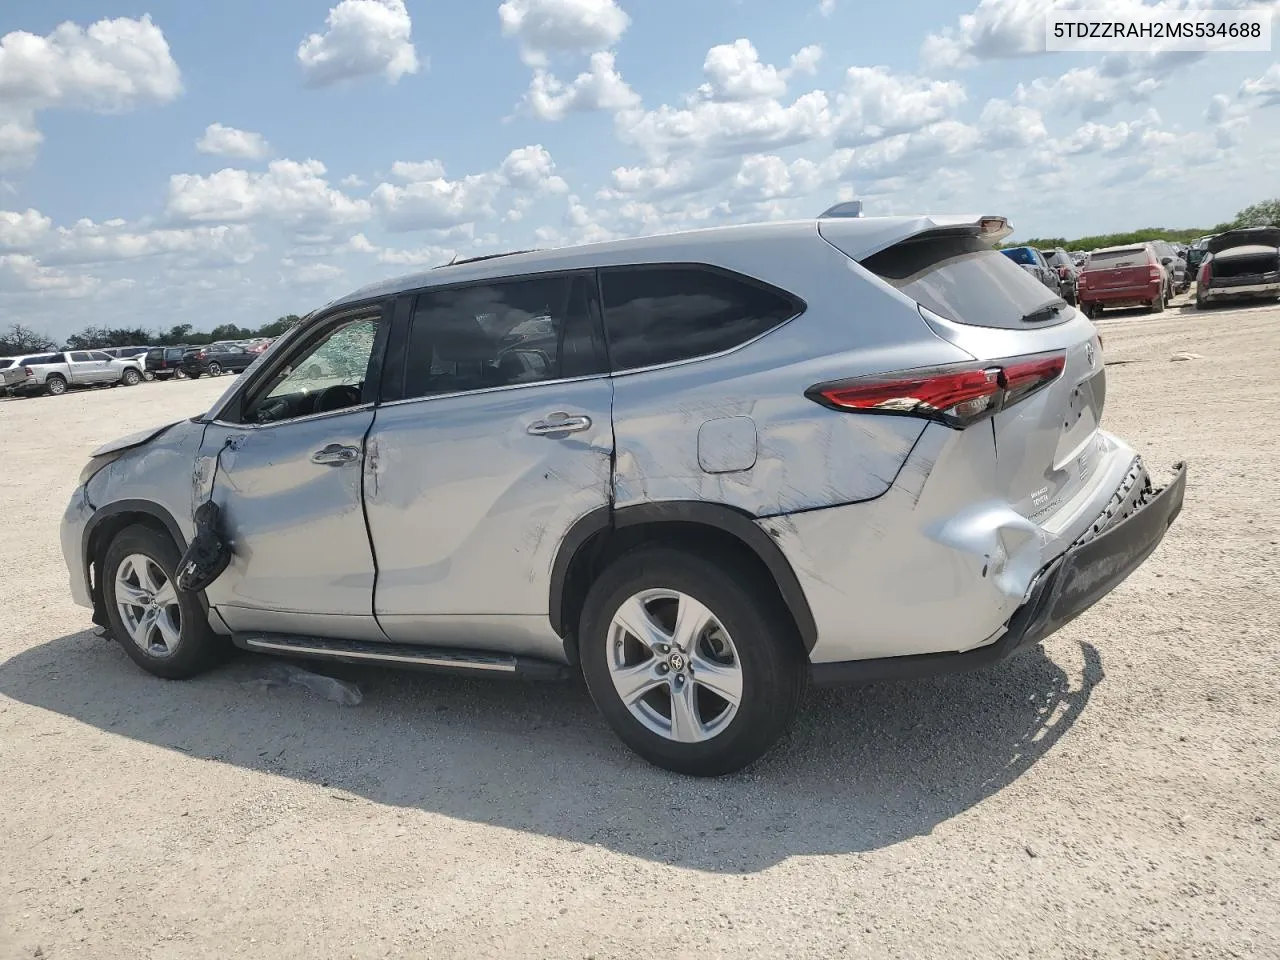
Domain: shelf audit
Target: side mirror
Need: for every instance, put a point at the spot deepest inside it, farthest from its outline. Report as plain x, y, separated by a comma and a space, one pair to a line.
1167, 261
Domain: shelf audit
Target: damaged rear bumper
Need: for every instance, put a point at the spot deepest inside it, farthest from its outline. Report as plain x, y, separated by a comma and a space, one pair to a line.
1112, 548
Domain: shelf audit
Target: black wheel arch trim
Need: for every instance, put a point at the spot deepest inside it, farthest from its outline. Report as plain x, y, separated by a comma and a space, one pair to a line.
736, 523
146, 508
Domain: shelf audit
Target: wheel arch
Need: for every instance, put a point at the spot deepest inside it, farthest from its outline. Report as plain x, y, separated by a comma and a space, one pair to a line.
102, 527
605, 532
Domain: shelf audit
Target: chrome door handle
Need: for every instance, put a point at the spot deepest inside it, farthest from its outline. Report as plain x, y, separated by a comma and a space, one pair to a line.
335, 455
559, 423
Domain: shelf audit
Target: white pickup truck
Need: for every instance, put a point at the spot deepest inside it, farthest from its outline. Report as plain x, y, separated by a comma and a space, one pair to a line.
55, 372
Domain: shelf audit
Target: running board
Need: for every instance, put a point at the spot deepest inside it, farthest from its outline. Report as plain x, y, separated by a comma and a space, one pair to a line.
400, 655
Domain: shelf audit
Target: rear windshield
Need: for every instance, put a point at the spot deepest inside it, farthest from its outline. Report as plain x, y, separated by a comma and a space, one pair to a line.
964, 280
1111, 259
1019, 255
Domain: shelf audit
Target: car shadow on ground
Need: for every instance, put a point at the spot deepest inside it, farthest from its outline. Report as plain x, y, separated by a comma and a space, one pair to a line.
863, 769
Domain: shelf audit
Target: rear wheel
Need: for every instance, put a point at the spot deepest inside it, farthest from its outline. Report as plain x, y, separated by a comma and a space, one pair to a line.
1093, 310
215, 369
692, 661
130, 377
1157, 305
56, 385
164, 631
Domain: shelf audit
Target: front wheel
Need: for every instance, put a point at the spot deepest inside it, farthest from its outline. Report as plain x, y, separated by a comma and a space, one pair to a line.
56, 385
694, 663
131, 377
164, 631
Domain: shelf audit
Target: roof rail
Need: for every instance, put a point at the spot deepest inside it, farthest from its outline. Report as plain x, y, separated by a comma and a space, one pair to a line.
455, 262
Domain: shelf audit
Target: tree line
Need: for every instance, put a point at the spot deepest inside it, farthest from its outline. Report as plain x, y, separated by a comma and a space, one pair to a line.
1264, 214
20, 338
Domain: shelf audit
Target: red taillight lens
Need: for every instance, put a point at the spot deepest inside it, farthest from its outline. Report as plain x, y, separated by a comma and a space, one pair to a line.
1153, 273
1204, 273
955, 395
29, 371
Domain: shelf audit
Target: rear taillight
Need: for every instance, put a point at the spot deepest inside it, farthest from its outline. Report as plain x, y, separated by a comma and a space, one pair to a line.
29, 371
1081, 279
956, 395
1203, 279
1153, 273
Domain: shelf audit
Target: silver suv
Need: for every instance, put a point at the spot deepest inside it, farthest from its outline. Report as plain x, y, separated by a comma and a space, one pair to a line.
701, 470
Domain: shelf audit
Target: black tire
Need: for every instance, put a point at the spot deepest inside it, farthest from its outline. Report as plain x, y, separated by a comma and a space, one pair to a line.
130, 377
198, 647
215, 369
194, 375
1157, 305
55, 385
1092, 310
770, 655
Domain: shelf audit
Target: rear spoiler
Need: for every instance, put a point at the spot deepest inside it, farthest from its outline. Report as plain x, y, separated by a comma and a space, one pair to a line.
861, 237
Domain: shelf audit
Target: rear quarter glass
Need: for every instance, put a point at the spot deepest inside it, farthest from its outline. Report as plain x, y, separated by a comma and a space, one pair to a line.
964, 280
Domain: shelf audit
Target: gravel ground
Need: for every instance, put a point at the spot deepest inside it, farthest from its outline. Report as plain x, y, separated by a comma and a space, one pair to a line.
1115, 794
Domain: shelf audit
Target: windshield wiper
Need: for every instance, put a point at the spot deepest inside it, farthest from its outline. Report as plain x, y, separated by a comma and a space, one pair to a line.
1047, 312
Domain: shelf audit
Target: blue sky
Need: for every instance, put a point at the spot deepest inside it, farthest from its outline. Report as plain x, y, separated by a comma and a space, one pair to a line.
164, 161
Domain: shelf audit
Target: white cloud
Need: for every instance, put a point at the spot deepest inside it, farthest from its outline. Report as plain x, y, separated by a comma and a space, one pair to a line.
827, 7
112, 66
1004, 124
437, 203
23, 273
673, 179
289, 191
1265, 89
1118, 138
421, 170
877, 103
548, 27
229, 142
310, 274
353, 182
531, 168
1227, 120
734, 72
361, 38
1115, 79
23, 231
725, 129
601, 87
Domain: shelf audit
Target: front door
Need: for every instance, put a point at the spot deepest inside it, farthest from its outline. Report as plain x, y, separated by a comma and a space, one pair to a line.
289, 482
505, 438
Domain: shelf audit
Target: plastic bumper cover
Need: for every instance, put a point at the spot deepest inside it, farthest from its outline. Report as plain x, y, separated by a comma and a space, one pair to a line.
1117, 544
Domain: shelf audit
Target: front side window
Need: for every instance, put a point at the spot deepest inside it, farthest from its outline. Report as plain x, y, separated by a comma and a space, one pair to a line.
99, 355
501, 334
80, 356
661, 314
326, 376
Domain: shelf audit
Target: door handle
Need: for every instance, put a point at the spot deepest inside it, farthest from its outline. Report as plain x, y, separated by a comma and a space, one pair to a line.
556, 423
335, 455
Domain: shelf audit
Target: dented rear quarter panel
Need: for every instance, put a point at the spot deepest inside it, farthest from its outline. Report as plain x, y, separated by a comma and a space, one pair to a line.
805, 456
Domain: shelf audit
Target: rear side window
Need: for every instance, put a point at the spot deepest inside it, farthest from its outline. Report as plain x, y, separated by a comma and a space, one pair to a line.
44, 358
662, 314
5, 364
80, 356
99, 355
502, 334
1112, 259
963, 279
174, 354
1020, 255
154, 354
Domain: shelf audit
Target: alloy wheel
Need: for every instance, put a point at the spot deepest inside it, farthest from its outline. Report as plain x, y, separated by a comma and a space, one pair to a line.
148, 605
674, 666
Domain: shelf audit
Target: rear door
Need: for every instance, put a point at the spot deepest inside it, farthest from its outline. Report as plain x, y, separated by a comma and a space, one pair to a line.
976, 299
106, 367
82, 368
499, 439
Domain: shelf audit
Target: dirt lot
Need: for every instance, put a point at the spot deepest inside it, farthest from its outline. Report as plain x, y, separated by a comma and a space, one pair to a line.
1114, 795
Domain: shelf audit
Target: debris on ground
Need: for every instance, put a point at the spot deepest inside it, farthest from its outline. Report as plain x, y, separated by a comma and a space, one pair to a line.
1186, 355
288, 675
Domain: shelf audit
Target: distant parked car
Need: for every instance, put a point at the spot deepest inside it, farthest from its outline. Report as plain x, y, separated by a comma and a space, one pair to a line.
12, 374
1127, 276
1031, 260
1060, 261
215, 359
125, 353
1195, 255
55, 372
164, 363
1174, 264
1240, 264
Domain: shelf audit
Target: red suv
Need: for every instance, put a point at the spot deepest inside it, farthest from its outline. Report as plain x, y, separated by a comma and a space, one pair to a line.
1123, 277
